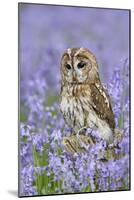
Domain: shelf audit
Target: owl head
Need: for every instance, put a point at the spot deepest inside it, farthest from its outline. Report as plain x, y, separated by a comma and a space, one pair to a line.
78, 66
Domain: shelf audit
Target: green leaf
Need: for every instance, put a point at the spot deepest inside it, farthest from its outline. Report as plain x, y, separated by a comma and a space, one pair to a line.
23, 117
51, 100
87, 189
121, 121
43, 191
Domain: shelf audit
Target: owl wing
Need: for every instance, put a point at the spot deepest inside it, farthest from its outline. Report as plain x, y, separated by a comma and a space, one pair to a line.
101, 104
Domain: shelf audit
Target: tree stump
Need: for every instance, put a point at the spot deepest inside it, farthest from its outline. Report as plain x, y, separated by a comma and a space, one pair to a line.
80, 144
74, 144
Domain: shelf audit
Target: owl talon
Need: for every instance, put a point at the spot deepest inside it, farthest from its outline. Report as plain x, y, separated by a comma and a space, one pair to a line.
82, 131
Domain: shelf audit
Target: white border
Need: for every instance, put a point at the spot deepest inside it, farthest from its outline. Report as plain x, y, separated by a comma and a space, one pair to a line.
9, 97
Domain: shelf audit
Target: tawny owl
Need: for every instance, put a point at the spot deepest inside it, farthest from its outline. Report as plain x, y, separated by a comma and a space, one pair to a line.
84, 101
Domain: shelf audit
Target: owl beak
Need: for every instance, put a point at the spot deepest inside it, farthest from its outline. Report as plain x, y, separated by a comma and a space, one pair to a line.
74, 77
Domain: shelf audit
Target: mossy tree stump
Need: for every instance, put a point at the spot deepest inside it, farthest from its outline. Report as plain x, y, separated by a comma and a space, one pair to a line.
80, 144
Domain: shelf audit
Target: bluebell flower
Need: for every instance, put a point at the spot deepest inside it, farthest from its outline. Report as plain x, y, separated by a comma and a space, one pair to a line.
42, 155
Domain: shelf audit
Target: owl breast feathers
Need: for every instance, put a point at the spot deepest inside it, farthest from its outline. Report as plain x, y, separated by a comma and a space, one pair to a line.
84, 101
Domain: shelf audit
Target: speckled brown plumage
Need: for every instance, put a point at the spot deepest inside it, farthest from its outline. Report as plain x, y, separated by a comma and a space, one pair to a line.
84, 101
101, 106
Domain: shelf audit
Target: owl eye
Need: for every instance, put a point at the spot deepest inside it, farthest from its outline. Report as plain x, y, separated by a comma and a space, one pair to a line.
68, 66
81, 65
